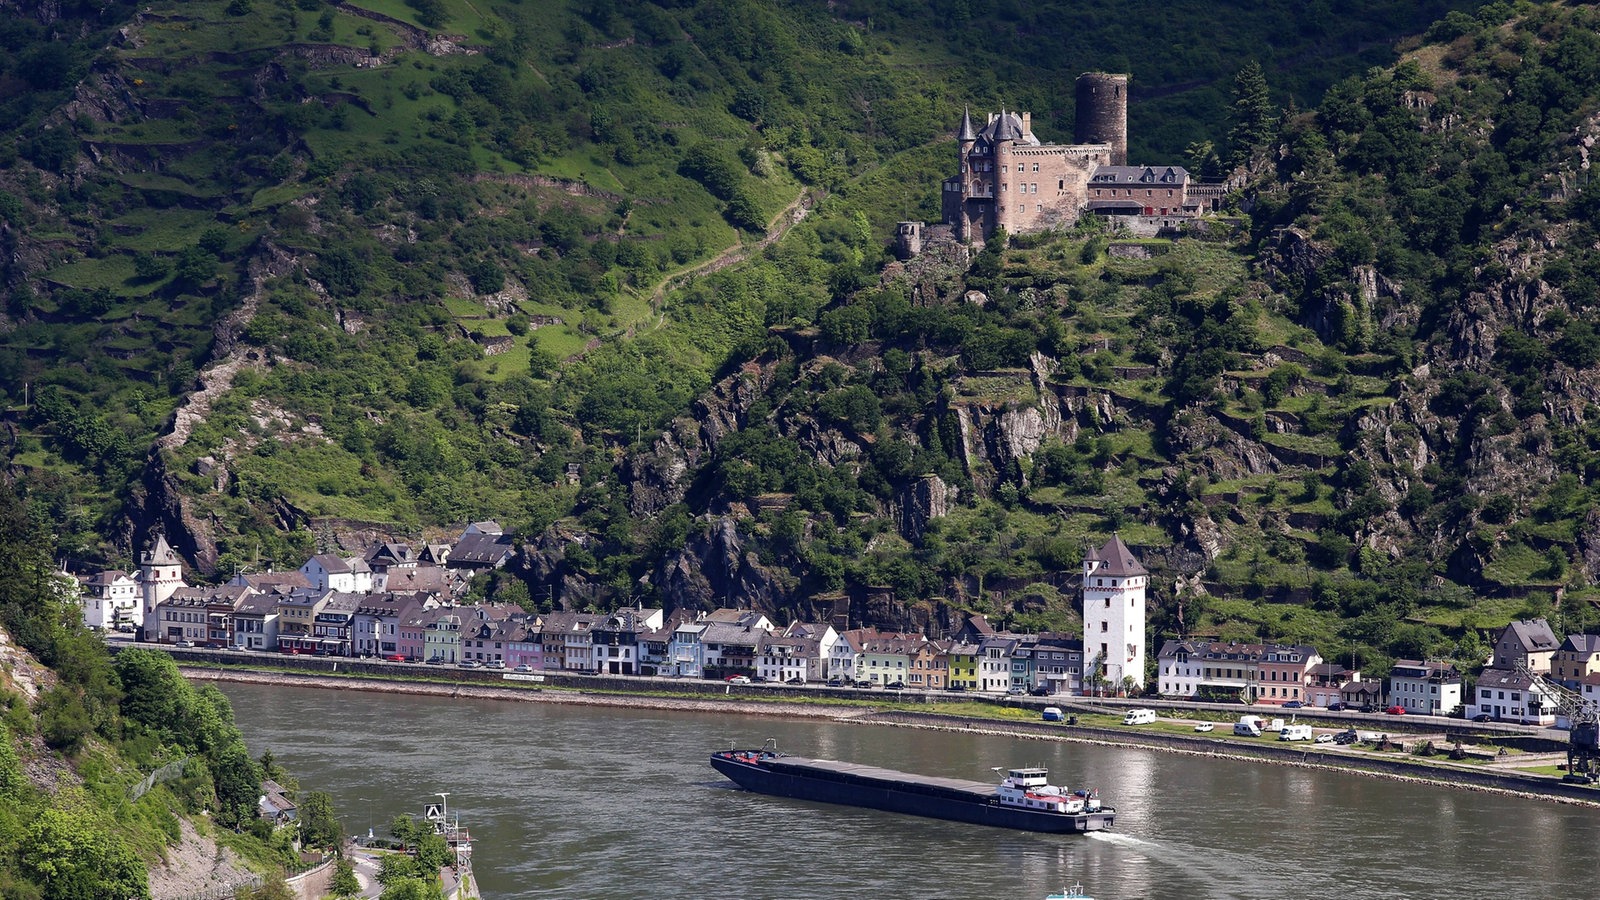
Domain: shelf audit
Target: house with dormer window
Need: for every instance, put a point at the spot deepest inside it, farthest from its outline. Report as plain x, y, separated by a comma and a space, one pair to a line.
1529, 642
111, 599
1578, 657
1427, 687
1282, 673
1509, 696
963, 662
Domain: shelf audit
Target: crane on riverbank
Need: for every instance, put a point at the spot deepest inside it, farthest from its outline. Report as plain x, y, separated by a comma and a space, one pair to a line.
1583, 722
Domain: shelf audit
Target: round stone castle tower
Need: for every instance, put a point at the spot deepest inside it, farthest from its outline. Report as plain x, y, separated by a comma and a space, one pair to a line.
1102, 115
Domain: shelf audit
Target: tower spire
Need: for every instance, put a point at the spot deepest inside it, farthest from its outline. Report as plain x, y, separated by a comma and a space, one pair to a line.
968, 133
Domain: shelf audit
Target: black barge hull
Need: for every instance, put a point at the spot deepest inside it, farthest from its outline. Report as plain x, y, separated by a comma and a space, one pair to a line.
827, 781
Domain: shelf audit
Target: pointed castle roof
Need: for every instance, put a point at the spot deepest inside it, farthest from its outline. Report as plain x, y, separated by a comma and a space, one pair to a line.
161, 554
1117, 560
968, 133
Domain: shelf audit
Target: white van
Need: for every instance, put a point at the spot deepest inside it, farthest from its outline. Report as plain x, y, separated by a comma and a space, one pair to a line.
1295, 733
1248, 726
1139, 717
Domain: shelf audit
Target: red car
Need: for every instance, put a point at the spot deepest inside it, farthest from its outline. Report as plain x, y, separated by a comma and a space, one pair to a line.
396, 657
1396, 710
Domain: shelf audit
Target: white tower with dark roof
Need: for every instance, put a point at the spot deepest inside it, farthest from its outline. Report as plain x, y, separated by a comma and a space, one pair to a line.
1113, 613
160, 575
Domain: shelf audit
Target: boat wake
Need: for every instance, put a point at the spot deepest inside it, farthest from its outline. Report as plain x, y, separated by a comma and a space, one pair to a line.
1210, 865
1112, 837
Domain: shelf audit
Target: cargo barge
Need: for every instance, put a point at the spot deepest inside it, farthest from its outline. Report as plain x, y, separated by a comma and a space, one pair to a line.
1023, 800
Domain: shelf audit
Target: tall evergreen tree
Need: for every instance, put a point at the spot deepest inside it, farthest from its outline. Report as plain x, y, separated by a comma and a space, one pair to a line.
1253, 113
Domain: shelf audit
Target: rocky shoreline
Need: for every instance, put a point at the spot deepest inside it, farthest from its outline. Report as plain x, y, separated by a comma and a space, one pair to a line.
1373, 767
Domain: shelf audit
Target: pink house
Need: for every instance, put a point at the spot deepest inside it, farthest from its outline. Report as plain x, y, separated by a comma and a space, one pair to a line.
523, 643
412, 627
1283, 672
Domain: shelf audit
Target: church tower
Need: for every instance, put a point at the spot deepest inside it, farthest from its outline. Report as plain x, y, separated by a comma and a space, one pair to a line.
160, 575
1113, 614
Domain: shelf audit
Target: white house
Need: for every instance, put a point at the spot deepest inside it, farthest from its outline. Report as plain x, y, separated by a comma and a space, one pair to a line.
328, 572
111, 598
844, 657
684, 651
994, 664
1114, 586
783, 658
1510, 697
1429, 688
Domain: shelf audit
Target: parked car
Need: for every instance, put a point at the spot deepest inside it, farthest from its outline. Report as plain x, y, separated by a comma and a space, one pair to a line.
1347, 736
1293, 704
1016, 692
796, 680
835, 682
957, 689
1483, 717
469, 664
1041, 691
896, 686
1336, 706
496, 664
435, 660
524, 667
738, 679
395, 657
1396, 710
1204, 727
184, 644
863, 683
1325, 738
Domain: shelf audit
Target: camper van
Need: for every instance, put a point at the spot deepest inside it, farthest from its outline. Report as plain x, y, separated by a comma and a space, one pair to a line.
1139, 717
1248, 726
1295, 733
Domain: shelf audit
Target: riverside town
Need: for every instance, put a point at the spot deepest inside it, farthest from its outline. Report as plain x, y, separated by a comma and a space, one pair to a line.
404, 604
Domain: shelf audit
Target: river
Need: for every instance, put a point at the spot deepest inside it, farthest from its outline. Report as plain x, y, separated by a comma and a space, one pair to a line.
589, 802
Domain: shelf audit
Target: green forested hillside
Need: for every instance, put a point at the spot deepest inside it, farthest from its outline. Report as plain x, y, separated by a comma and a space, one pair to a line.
404, 265
80, 733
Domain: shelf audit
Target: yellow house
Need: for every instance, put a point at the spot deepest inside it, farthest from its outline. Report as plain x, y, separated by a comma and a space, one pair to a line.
962, 666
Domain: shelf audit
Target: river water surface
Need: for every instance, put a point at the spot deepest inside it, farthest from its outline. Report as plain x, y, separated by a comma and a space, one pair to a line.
598, 802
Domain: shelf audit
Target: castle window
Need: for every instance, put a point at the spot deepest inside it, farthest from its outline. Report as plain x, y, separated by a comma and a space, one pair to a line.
1004, 169
1061, 185
1036, 167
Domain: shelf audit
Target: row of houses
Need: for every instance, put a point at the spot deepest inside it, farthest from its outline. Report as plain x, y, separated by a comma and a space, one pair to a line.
419, 627
1516, 686
128, 601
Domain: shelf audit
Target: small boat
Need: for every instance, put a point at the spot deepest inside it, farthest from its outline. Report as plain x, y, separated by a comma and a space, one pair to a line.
1024, 799
1072, 893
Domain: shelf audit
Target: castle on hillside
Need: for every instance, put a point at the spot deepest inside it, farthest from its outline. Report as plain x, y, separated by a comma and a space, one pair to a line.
1008, 178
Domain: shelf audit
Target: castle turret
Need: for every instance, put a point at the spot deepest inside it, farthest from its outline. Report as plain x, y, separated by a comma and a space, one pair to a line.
1102, 115
1113, 614
968, 134
160, 575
